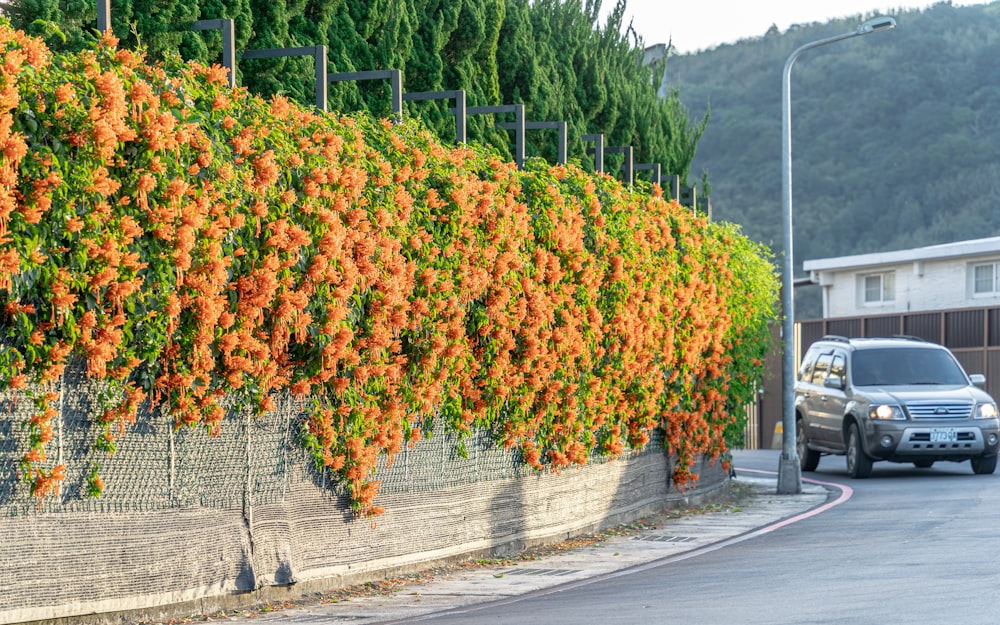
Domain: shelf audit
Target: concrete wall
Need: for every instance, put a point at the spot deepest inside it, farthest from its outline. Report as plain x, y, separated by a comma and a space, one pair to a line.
193, 524
169, 562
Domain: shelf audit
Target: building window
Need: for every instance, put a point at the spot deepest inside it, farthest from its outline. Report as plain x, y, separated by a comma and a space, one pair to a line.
878, 288
984, 279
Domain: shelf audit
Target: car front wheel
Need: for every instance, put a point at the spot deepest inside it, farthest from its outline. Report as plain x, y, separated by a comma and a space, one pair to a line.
808, 458
984, 465
859, 465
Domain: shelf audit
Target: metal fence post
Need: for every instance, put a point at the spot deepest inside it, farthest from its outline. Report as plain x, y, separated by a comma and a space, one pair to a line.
460, 109
598, 140
689, 194
560, 126
394, 76
653, 167
228, 43
317, 52
103, 15
673, 187
626, 167
518, 111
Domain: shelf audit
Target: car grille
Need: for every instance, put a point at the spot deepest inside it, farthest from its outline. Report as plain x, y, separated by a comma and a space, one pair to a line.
939, 410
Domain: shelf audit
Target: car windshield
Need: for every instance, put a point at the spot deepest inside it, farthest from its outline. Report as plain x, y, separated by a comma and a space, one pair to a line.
905, 366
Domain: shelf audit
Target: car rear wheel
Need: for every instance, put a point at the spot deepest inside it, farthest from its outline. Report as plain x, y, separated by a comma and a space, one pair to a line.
984, 465
923, 464
808, 458
859, 465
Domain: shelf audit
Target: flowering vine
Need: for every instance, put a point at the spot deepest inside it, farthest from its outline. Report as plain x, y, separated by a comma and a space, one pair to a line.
190, 242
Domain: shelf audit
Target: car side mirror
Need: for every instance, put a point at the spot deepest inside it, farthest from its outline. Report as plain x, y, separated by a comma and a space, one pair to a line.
978, 379
834, 381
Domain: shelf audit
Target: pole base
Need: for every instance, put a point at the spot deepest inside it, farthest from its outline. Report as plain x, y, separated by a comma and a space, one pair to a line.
789, 475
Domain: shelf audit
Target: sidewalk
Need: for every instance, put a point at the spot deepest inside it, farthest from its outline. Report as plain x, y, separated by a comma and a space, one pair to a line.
670, 537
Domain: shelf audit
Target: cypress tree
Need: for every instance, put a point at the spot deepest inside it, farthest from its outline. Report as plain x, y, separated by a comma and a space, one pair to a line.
434, 21
161, 26
553, 56
286, 75
364, 35
471, 63
517, 64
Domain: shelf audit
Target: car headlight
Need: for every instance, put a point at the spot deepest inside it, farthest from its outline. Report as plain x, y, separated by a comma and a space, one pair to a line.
886, 412
986, 411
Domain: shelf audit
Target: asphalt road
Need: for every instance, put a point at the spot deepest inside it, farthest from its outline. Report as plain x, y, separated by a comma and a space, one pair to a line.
910, 546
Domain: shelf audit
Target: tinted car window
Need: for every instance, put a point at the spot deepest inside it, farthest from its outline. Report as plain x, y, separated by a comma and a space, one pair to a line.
839, 367
807, 363
822, 366
893, 367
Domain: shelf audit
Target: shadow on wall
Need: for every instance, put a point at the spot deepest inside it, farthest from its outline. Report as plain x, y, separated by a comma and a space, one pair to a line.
548, 507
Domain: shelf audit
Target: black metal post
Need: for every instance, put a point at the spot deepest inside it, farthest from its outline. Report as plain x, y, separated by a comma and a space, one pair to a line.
627, 166
560, 126
689, 194
673, 187
598, 150
518, 111
653, 167
395, 77
228, 43
460, 109
317, 52
103, 15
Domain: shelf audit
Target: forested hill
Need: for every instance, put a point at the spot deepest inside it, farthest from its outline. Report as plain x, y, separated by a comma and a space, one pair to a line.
895, 135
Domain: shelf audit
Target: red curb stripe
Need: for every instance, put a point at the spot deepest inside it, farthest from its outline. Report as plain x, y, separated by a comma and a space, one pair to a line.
846, 492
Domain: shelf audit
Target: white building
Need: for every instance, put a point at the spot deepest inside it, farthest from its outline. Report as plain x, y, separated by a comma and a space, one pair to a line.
952, 275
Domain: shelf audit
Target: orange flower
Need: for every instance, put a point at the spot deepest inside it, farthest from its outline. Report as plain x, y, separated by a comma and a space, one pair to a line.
65, 93
36, 454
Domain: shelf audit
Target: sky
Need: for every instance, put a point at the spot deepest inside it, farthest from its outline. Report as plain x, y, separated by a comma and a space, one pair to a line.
695, 25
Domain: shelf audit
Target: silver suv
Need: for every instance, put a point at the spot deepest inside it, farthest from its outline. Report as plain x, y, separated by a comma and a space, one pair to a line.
899, 399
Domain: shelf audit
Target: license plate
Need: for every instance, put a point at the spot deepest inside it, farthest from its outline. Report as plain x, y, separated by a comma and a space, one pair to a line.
944, 435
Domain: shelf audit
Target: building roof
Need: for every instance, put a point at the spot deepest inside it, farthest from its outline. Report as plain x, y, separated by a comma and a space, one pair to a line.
974, 247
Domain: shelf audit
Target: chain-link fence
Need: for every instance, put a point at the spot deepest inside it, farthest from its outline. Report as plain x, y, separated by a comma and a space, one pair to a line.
247, 463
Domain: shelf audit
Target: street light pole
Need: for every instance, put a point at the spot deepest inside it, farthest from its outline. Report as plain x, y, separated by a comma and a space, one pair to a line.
789, 469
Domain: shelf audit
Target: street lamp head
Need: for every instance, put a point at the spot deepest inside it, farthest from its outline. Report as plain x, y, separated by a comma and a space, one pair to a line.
876, 23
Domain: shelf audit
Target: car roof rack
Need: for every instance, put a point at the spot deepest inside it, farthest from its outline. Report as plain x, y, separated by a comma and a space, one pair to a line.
844, 339
835, 337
